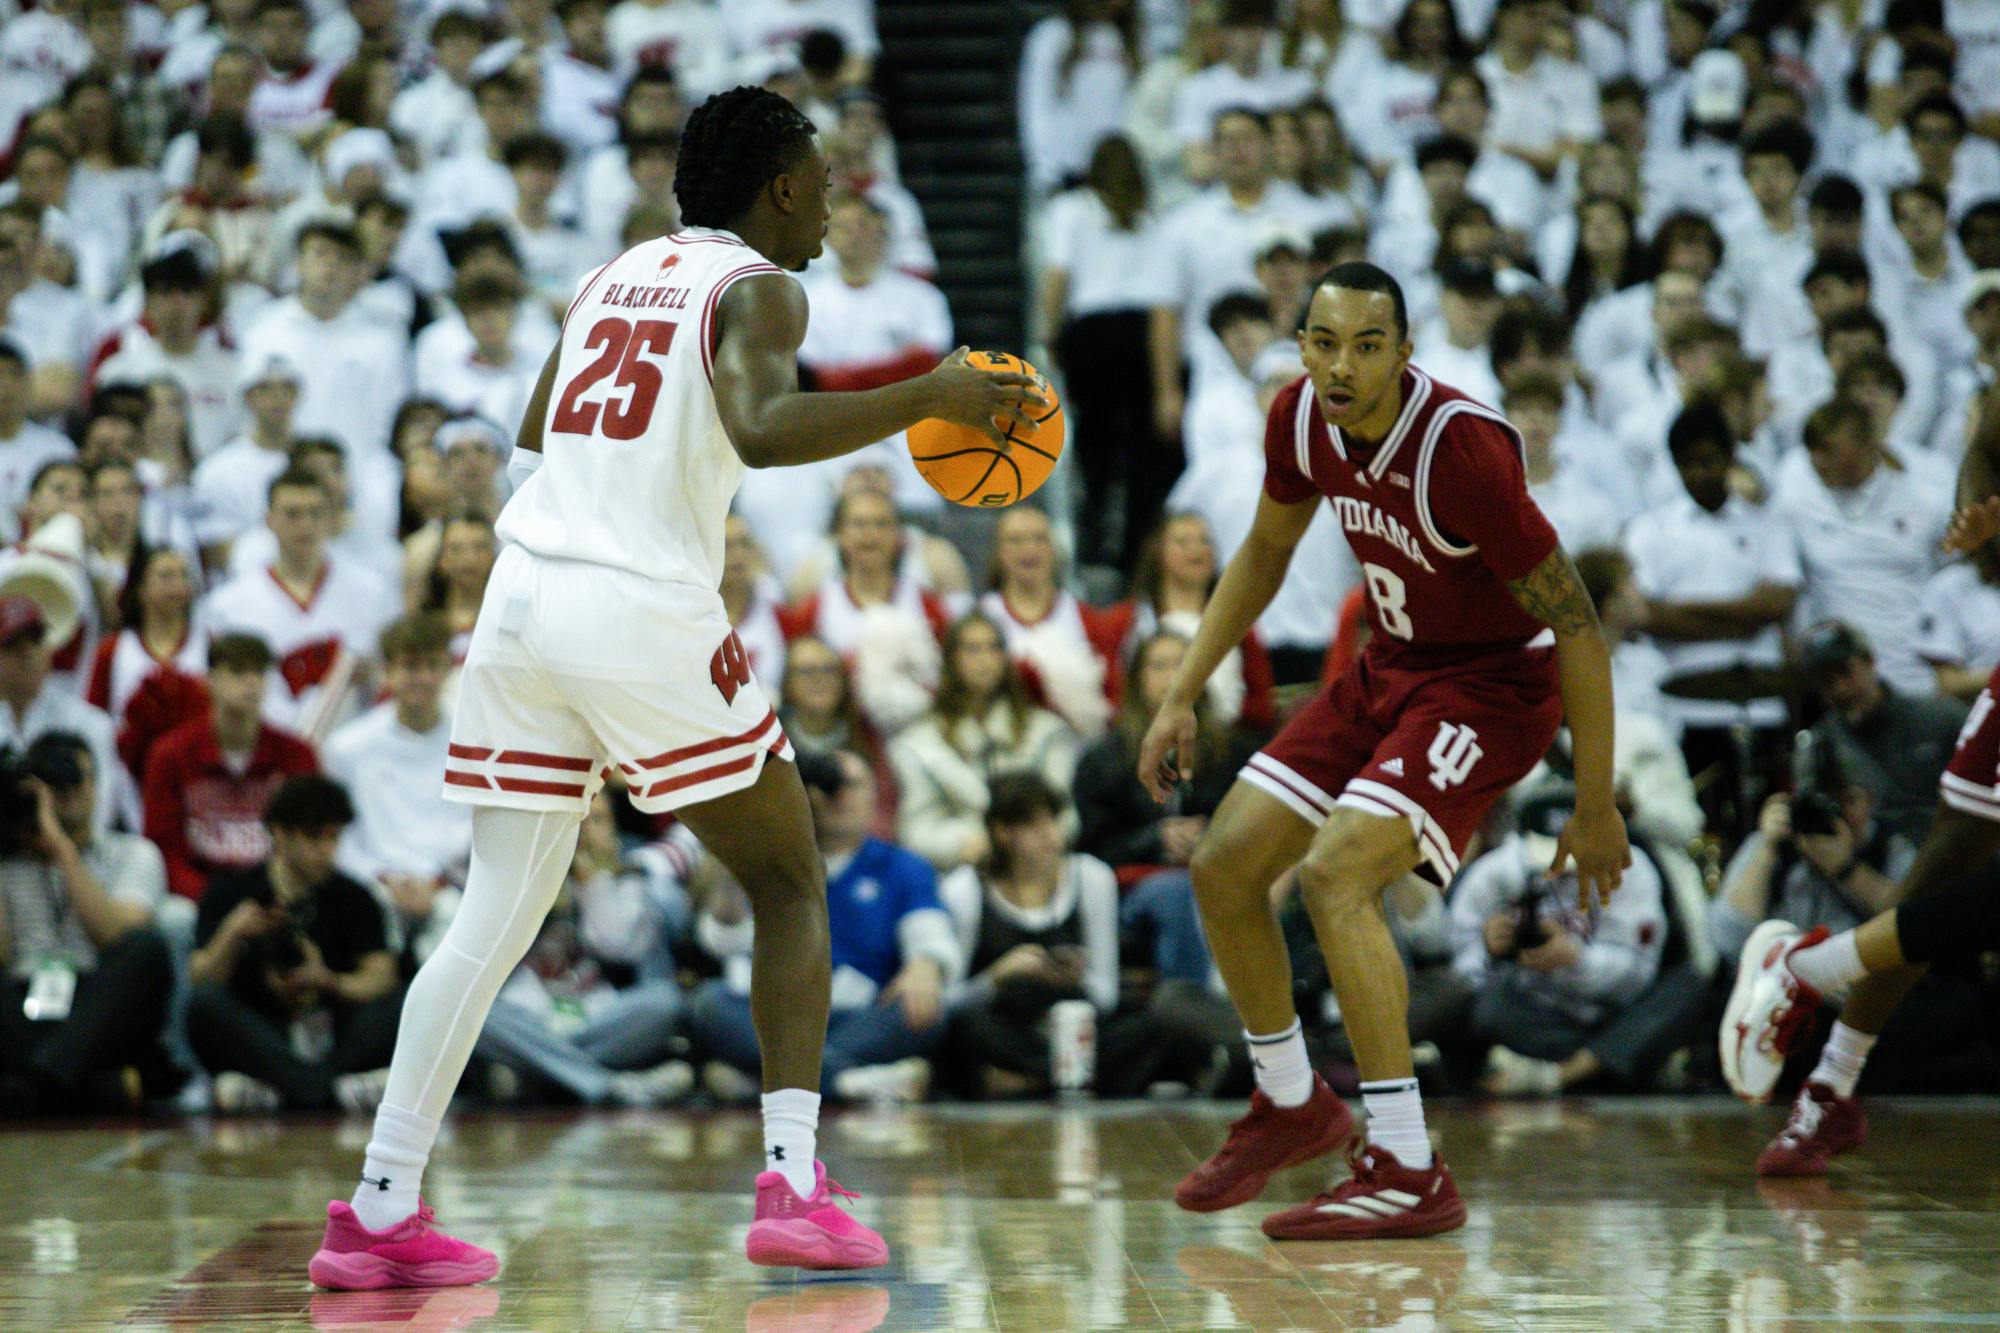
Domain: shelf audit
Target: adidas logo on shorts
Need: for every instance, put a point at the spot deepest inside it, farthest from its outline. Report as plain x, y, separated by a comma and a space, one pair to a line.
1394, 766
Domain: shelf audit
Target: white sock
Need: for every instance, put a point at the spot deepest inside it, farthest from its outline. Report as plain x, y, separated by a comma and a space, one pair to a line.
394, 1167
519, 858
791, 1124
1841, 1059
1830, 966
1279, 1061
1396, 1120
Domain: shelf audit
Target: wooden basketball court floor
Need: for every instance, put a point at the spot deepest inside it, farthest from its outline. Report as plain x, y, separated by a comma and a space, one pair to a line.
1588, 1215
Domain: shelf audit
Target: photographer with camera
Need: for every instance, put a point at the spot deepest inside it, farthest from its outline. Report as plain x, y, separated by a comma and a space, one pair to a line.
87, 975
1558, 987
1818, 858
296, 993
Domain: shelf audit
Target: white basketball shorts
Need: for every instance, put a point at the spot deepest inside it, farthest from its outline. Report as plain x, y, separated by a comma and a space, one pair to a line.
575, 667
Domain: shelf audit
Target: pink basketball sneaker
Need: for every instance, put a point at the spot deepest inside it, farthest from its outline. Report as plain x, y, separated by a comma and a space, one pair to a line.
409, 1254
791, 1232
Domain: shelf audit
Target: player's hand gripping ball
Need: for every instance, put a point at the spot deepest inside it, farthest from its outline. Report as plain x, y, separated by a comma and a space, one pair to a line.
967, 466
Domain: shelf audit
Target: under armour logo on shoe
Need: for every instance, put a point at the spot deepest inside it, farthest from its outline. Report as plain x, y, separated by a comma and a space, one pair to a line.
382, 1184
777, 1155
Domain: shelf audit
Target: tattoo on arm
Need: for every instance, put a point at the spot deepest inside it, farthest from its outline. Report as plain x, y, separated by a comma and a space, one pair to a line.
1553, 594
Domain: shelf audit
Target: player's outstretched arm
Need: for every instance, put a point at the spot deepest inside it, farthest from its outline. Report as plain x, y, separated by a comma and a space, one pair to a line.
1595, 837
773, 424
1254, 575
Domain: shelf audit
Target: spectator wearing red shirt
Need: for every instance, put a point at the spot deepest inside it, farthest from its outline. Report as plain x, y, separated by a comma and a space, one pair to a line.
148, 676
208, 781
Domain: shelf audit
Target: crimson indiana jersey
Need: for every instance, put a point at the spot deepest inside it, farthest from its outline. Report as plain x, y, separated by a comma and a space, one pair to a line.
1438, 515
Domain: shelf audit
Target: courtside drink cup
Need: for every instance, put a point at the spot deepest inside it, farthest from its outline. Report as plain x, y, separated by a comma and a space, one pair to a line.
1072, 1045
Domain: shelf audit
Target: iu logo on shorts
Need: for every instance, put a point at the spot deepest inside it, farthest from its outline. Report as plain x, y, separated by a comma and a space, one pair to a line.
1452, 755
730, 668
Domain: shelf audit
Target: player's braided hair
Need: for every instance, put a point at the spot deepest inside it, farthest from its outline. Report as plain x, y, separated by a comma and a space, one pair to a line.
735, 142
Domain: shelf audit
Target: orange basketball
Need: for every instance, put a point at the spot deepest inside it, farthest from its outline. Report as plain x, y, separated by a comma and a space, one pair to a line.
965, 466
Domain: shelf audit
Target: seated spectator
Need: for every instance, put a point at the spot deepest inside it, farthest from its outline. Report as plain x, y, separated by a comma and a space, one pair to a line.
1224, 426
981, 724
207, 781
593, 1008
1176, 575
1958, 623
874, 613
929, 561
353, 370
455, 585
1038, 925
1065, 649
231, 484
817, 708
87, 975
148, 676
25, 445
472, 456
1557, 984
1718, 578
296, 992
32, 704
320, 615
1869, 535
1456, 346
176, 334
894, 953
495, 379
1892, 744
405, 835
1119, 823
1150, 845
1580, 513
362, 497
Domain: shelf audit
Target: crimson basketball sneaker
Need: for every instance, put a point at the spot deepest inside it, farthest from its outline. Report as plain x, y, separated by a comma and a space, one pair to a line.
1769, 1009
1824, 1125
409, 1254
1384, 1200
791, 1232
1263, 1143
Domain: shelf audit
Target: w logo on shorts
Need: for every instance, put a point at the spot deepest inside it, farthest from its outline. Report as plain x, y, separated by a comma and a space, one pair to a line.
730, 668
1453, 754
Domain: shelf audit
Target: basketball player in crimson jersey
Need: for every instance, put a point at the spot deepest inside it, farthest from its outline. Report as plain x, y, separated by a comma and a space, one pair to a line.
1483, 637
602, 640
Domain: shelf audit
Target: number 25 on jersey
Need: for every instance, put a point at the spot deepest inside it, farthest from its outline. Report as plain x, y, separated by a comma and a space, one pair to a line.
628, 349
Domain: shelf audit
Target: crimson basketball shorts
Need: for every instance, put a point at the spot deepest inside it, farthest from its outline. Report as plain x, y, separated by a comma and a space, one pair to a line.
574, 668
1436, 745
1971, 781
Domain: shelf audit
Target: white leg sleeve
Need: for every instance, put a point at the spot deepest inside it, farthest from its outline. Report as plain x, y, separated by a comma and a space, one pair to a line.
519, 859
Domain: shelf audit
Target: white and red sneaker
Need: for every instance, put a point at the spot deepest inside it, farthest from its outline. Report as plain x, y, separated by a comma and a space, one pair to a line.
1823, 1125
409, 1254
791, 1232
1769, 1010
1383, 1200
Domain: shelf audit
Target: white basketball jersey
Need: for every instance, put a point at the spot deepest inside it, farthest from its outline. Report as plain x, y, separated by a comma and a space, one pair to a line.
637, 472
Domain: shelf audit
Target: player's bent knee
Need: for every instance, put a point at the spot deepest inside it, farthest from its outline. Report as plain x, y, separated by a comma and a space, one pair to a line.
1355, 857
1217, 869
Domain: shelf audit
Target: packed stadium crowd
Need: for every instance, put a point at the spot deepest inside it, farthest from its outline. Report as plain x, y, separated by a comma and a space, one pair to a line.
276, 281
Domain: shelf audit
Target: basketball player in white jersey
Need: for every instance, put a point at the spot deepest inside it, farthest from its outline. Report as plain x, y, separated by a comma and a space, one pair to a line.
602, 641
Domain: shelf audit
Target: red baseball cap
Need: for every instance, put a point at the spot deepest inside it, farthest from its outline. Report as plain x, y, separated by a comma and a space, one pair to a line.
20, 616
